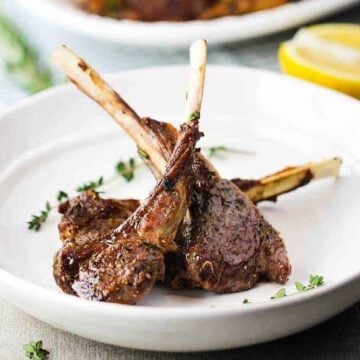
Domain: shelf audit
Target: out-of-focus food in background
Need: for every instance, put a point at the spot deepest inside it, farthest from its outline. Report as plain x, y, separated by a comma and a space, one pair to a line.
169, 10
21, 60
327, 54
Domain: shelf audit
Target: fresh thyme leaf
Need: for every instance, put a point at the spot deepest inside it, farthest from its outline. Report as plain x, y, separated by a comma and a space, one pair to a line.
195, 116
143, 154
91, 185
20, 59
126, 169
315, 281
35, 351
300, 287
61, 195
216, 150
280, 294
246, 301
38, 220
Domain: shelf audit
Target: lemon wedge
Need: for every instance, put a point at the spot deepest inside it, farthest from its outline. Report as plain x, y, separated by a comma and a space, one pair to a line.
327, 55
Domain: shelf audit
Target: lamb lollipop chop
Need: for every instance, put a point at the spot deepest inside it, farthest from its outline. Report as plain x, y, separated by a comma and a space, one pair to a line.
124, 265
88, 215
227, 245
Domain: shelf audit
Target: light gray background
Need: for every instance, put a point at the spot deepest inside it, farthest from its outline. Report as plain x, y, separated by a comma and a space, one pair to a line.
338, 338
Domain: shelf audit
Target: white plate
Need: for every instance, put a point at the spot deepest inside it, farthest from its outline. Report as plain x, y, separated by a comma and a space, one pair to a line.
47, 142
226, 29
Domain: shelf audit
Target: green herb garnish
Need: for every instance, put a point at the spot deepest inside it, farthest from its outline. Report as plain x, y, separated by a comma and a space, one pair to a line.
37, 220
280, 294
61, 195
20, 60
35, 351
143, 154
91, 185
246, 301
216, 150
126, 169
300, 287
195, 116
314, 282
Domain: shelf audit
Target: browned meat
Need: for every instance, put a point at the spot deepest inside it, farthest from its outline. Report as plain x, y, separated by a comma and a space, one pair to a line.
227, 244
175, 10
90, 216
124, 265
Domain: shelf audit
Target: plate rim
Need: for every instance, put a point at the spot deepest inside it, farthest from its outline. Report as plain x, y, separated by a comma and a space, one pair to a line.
163, 33
9, 280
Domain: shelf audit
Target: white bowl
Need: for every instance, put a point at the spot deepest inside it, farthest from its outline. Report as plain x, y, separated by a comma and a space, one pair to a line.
59, 139
181, 34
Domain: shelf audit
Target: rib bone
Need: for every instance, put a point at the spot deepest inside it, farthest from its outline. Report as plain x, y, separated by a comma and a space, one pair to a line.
288, 179
157, 139
229, 244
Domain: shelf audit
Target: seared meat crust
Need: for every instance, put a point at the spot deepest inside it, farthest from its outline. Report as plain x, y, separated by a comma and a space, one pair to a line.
88, 215
123, 265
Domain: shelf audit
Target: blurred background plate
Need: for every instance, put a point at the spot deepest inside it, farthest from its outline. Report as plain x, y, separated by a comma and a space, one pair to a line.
180, 34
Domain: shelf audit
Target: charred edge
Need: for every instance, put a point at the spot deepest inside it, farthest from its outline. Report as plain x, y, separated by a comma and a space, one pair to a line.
245, 184
183, 152
168, 184
83, 65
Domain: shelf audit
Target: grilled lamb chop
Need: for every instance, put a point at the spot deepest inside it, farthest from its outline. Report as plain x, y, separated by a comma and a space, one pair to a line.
227, 245
124, 265
88, 215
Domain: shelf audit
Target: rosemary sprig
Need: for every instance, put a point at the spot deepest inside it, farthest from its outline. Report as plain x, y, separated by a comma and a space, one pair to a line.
34, 350
37, 220
91, 185
20, 59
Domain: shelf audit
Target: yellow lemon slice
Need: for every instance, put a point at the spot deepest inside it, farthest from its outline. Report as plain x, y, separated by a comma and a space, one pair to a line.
327, 54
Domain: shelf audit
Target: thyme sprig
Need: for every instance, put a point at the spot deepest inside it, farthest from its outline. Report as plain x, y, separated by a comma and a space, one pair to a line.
35, 351
38, 220
21, 61
126, 169
315, 281
61, 195
91, 185
221, 150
